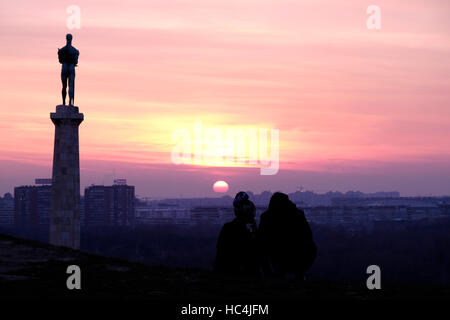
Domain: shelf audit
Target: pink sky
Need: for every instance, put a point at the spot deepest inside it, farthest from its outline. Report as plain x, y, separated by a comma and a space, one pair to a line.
355, 108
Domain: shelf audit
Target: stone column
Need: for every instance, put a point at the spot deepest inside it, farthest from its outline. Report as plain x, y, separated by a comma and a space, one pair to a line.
65, 195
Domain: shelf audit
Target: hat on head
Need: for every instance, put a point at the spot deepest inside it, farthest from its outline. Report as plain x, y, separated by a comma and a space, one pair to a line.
240, 198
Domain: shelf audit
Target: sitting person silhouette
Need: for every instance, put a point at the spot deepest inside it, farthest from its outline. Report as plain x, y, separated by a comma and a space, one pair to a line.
286, 239
236, 246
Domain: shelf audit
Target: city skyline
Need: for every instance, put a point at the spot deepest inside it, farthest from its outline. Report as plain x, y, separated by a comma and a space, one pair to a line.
329, 194
356, 109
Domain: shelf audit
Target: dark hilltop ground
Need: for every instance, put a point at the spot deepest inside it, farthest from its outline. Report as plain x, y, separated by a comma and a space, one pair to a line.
34, 270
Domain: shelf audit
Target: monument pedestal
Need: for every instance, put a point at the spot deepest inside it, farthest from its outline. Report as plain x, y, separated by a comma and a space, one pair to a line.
65, 194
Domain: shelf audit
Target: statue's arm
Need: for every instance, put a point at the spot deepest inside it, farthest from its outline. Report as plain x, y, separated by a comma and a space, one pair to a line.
77, 54
59, 55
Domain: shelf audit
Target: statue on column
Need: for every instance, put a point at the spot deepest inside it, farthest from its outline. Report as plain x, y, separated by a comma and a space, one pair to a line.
68, 57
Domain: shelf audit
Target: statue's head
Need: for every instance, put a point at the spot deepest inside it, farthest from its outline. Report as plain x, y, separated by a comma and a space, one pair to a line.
69, 38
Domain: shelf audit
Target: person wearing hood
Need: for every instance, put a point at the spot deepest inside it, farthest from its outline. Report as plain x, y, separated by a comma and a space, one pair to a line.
237, 250
286, 239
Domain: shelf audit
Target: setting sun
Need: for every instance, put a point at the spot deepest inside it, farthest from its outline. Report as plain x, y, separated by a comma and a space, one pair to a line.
220, 186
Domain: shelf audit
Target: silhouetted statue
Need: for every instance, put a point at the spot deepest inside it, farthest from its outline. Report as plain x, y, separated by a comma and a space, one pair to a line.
286, 239
237, 250
68, 57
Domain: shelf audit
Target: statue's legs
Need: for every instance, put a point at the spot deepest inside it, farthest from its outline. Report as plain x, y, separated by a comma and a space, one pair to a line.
64, 79
71, 88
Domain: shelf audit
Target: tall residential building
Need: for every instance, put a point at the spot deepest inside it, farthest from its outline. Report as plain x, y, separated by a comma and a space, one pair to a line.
109, 205
7, 210
32, 205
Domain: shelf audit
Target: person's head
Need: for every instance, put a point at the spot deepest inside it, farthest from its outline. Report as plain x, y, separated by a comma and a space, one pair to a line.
279, 201
243, 207
69, 38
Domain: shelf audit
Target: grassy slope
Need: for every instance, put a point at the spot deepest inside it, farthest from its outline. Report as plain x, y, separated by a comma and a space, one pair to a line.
30, 269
